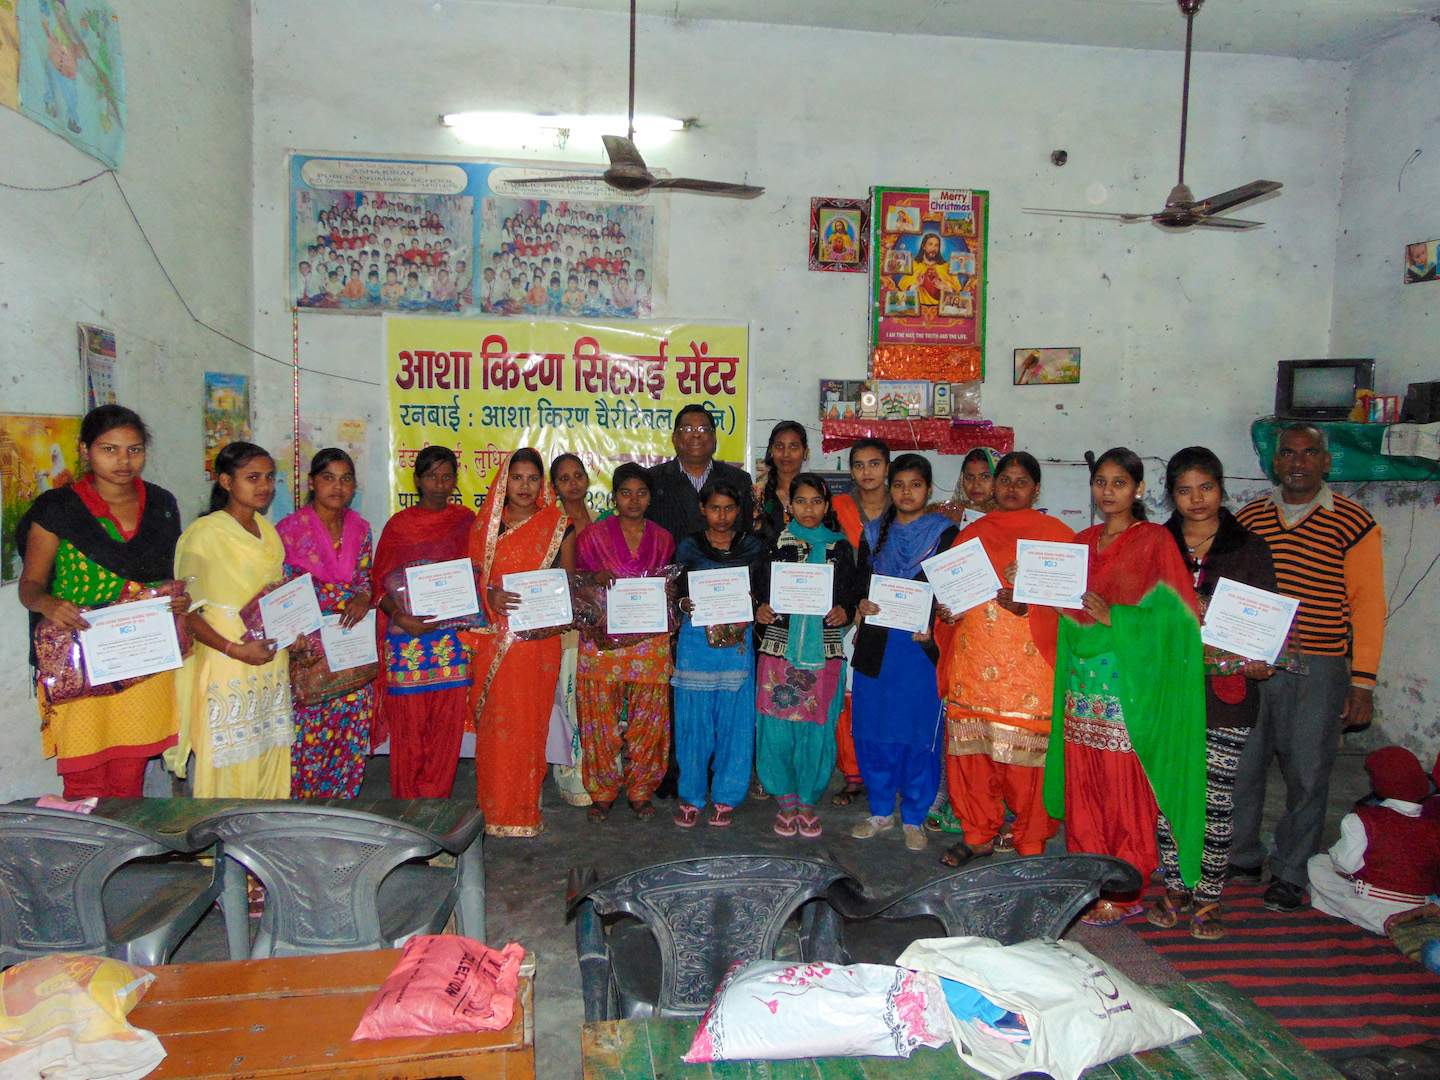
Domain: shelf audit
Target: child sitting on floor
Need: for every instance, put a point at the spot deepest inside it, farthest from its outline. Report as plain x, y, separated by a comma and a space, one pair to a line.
1387, 859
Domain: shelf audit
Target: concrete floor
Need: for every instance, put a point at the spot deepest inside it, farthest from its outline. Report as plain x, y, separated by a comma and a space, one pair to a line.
526, 879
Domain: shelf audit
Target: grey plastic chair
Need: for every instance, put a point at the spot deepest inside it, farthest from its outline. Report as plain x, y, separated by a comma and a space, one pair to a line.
690, 920
339, 880
1011, 901
78, 883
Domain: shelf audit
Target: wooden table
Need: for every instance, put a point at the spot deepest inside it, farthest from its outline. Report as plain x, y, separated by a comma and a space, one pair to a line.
293, 1017
1238, 1040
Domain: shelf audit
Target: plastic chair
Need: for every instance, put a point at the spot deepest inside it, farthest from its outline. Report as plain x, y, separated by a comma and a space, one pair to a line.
690, 920
77, 883
339, 880
1011, 901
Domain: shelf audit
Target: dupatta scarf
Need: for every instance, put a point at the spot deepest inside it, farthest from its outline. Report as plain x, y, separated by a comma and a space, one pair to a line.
906, 546
309, 548
1154, 633
603, 547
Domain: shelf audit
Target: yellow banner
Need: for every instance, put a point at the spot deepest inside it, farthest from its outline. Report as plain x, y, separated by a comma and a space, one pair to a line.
606, 391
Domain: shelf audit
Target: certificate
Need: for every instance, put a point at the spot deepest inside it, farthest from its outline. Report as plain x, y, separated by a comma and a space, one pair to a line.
968, 517
802, 588
544, 599
442, 590
290, 610
962, 576
637, 605
1247, 621
126, 641
904, 604
1050, 573
721, 596
348, 648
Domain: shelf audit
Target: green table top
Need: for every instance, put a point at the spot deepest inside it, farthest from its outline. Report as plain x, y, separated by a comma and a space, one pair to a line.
1238, 1040
1356, 452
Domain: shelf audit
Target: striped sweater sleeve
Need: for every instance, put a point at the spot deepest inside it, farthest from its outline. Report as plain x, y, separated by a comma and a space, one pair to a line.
1365, 590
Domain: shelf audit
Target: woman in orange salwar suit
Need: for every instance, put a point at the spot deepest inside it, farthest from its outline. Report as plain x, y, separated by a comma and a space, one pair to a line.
520, 528
997, 675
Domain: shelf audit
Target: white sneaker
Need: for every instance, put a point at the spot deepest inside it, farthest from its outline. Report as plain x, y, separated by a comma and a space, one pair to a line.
915, 838
872, 826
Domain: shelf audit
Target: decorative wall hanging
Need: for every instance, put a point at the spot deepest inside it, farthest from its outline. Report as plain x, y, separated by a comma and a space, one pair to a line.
839, 234
37, 453
1420, 261
1038, 367
226, 414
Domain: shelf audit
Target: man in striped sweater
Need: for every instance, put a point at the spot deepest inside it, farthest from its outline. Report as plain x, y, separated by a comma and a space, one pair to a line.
1327, 554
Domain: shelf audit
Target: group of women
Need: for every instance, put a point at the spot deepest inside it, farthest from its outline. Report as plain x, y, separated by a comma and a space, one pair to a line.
1103, 718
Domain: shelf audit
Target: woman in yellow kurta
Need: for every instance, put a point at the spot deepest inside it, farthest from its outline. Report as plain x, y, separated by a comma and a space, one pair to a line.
234, 694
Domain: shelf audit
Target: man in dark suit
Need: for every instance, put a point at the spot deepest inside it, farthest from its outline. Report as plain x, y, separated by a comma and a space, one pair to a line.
675, 485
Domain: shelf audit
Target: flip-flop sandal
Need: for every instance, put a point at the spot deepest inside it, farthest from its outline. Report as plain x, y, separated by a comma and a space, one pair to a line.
1165, 912
1205, 924
960, 853
943, 821
1005, 842
1109, 913
644, 809
809, 825
687, 816
847, 794
720, 816
598, 812
785, 825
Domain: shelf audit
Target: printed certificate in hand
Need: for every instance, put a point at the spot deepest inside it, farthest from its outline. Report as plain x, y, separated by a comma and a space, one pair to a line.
962, 576
721, 597
1051, 573
290, 611
544, 599
802, 588
637, 605
1247, 621
442, 590
904, 604
126, 641
349, 648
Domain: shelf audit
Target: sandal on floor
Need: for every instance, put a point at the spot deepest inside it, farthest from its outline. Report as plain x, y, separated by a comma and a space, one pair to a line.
598, 812
960, 853
1005, 842
687, 816
644, 809
943, 820
1165, 912
720, 816
1205, 924
785, 824
758, 792
1109, 913
847, 794
808, 825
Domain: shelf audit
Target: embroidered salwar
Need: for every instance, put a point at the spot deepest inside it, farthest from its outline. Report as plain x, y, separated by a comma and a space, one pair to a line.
234, 717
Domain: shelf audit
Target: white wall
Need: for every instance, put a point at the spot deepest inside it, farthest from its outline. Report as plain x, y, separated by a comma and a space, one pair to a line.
75, 256
1180, 332
1392, 114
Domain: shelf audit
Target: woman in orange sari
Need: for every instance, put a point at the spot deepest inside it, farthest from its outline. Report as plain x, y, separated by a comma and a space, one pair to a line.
997, 672
520, 528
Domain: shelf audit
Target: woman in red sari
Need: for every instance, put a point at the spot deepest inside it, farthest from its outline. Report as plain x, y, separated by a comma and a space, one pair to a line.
997, 677
520, 528
426, 672
1128, 739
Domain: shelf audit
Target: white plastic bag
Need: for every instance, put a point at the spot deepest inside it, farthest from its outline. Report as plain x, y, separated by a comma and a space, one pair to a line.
772, 1010
1080, 1011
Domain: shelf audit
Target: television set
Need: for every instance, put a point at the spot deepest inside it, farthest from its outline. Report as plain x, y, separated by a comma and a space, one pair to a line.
1320, 389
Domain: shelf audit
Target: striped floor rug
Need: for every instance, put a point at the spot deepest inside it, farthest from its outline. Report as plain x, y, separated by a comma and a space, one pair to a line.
1337, 988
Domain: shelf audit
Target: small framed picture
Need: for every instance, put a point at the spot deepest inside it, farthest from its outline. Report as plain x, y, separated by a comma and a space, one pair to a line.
960, 223
1047, 367
902, 303
1420, 261
839, 234
902, 219
897, 262
956, 305
962, 264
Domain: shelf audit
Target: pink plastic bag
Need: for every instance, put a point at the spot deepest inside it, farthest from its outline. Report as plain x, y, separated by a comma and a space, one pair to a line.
445, 984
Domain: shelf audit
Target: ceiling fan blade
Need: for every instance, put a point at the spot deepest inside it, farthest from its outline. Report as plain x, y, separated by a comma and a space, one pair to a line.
709, 187
557, 179
622, 151
1086, 214
1235, 196
1227, 223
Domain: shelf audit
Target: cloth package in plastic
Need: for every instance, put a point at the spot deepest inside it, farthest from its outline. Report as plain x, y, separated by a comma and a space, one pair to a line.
398, 587
60, 662
588, 600
445, 984
774, 1010
62, 1017
311, 679
1080, 1011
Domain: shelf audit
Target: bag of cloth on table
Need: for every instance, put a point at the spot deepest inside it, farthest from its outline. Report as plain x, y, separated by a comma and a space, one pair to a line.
1078, 1010
773, 1010
445, 984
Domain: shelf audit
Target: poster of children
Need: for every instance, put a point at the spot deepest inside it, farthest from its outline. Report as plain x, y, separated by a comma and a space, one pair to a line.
928, 266
375, 234
227, 414
60, 65
37, 453
565, 257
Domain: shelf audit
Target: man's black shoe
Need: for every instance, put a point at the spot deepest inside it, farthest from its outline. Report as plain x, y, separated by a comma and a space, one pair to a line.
1244, 875
1283, 896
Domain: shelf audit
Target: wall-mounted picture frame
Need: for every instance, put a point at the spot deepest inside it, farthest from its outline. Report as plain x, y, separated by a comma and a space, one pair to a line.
839, 235
1420, 261
1047, 366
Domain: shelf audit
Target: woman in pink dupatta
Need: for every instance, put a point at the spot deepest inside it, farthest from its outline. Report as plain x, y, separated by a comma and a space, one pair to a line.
632, 682
330, 542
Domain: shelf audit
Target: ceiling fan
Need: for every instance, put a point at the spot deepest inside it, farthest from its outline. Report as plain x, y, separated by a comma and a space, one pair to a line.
1182, 210
628, 171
